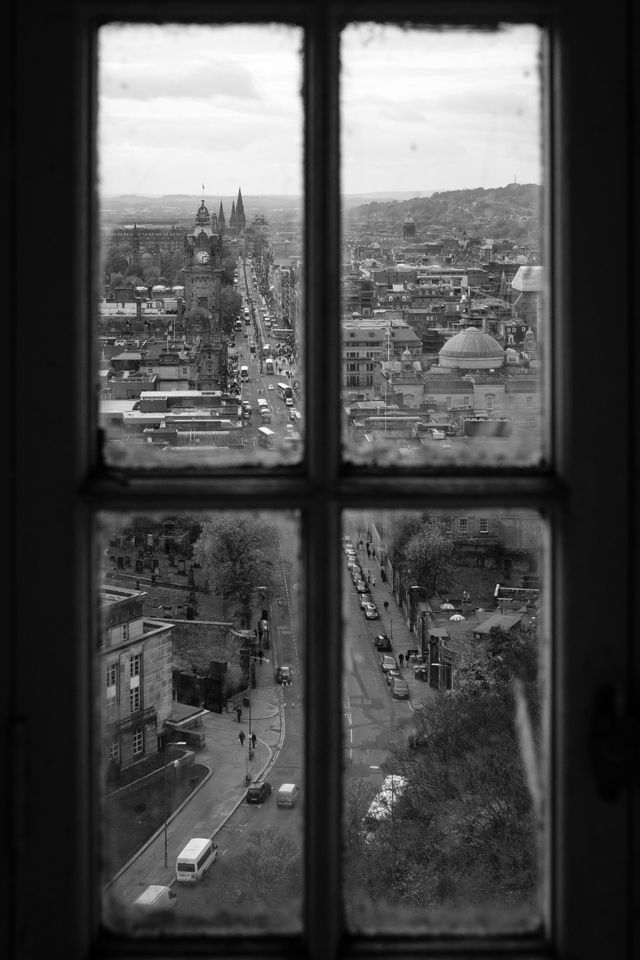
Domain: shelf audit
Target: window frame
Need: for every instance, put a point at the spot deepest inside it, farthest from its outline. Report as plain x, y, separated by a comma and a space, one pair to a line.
591, 906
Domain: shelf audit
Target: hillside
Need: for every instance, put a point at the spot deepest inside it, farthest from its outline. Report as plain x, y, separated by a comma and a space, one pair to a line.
511, 212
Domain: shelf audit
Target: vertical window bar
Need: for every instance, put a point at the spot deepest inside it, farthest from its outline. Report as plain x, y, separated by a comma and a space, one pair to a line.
322, 527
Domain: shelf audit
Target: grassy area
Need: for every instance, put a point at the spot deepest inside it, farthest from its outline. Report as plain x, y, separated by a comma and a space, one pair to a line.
130, 817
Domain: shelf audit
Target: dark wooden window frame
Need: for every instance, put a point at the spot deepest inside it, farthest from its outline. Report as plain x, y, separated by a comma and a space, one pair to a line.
58, 480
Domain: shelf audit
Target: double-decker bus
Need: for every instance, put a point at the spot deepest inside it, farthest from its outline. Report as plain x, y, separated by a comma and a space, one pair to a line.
266, 437
285, 393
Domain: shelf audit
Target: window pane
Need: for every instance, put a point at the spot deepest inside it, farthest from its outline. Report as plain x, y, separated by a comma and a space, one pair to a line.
199, 315
445, 653
445, 336
198, 676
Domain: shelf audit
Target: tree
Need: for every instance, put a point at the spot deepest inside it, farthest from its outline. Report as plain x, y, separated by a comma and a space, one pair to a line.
238, 552
429, 555
466, 832
271, 869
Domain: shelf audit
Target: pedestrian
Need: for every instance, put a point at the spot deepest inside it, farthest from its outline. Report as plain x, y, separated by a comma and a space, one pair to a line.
239, 714
408, 656
401, 659
253, 740
373, 581
241, 738
260, 656
386, 605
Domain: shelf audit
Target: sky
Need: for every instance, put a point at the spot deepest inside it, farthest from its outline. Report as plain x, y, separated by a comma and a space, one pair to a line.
186, 107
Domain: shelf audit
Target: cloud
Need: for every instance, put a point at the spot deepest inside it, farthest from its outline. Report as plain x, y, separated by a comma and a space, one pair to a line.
194, 80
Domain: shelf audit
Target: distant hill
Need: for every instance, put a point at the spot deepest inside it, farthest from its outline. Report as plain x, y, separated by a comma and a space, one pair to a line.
511, 212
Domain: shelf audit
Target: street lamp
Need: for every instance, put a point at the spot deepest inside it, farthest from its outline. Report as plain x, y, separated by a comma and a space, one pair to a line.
172, 743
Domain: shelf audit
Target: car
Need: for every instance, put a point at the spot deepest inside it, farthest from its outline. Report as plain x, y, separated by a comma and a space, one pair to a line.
399, 688
259, 792
387, 662
393, 674
271, 387
366, 601
351, 564
361, 586
371, 613
382, 642
283, 674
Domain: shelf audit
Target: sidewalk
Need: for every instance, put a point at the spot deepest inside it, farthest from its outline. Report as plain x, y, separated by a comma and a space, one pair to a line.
208, 808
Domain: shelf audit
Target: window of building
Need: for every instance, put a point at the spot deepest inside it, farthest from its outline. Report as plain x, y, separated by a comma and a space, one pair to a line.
587, 919
138, 741
484, 525
114, 749
463, 525
134, 698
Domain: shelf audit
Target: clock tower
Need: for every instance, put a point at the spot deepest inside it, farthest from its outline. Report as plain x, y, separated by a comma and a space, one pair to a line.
202, 299
201, 265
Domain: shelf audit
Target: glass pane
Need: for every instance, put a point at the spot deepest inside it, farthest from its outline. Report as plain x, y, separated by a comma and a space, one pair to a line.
199, 324
446, 692
198, 673
445, 338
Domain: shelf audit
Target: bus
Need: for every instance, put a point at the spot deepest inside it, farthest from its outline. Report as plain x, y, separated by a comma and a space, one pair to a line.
266, 437
265, 415
384, 803
244, 373
268, 366
195, 859
285, 393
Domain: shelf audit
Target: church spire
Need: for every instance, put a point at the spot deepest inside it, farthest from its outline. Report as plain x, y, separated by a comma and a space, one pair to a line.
241, 219
232, 219
221, 219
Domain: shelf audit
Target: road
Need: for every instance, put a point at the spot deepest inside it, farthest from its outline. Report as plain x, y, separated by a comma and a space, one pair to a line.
221, 886
373, 719
257, 334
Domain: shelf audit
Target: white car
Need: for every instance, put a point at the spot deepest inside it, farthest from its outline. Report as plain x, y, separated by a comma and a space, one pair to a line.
271, 387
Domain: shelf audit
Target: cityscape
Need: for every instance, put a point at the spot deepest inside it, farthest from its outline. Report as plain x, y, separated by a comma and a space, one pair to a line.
200, 359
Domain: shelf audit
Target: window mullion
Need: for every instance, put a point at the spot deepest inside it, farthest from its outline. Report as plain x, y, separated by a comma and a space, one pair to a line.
322, 520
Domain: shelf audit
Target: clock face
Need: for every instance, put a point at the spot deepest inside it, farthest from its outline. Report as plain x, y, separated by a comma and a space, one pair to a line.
202, 256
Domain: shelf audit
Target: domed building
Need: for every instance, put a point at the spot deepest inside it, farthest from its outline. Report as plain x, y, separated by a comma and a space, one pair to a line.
471, 350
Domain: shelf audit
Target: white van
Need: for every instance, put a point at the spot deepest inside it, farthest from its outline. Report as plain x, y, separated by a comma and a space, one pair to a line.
155, 897
287, 795
196, 858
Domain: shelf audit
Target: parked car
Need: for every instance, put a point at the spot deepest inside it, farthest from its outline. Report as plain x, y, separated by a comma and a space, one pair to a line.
382, 642
283, 674
259, 792
365, 600
371, 613
399, 688
361, 586
388, 662
392, 674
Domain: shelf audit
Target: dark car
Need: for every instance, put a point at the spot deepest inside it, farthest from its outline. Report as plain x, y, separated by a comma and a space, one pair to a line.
283, 674
382, 642
258, 792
